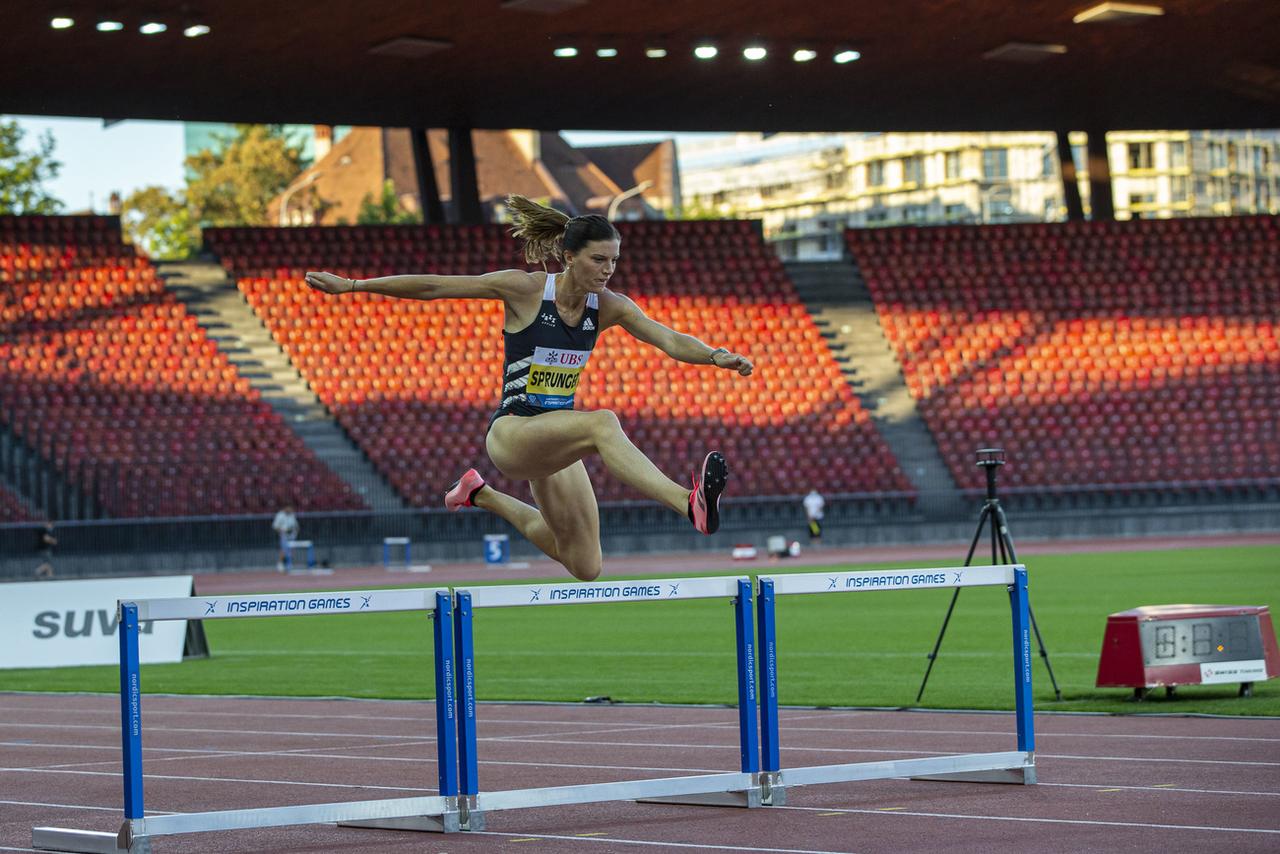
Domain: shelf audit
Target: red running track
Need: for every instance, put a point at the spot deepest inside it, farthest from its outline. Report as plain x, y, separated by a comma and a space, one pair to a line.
1107, 783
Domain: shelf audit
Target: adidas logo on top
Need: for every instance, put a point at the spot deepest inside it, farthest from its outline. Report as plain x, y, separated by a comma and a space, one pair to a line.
587, 325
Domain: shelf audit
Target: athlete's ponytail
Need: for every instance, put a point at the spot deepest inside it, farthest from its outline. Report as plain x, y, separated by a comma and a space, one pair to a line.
547, 232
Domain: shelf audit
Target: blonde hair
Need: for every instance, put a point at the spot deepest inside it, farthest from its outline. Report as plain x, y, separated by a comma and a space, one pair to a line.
547, 232
540, 227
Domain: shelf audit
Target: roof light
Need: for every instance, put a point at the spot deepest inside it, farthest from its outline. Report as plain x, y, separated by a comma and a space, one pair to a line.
62, 22
754, 53
109, 26
565, 52
705, 51
1104, 12
151, 28
196, 30
655, 52
804, 54
606, 52
843, 57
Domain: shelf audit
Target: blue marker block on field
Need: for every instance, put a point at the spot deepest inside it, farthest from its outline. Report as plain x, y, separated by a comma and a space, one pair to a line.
497, 548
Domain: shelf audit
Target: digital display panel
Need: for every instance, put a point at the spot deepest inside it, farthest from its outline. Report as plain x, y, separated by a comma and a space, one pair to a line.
1198, 640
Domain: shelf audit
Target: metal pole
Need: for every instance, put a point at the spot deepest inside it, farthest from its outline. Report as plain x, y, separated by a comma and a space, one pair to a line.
769, 754
446, 699
464, 650
130, 711
744, 631
1022, 661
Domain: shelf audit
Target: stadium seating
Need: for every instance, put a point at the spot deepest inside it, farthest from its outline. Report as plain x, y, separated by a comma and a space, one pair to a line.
1101, 355
108, 376
14, 509
414, 382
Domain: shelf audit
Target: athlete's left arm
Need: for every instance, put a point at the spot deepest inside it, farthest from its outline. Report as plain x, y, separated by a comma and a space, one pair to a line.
618, 310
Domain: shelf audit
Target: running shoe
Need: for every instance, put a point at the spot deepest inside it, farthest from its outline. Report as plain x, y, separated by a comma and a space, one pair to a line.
708, 484
464, 489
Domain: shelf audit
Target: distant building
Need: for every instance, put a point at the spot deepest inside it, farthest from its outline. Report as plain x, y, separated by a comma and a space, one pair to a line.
1194, 173
807, 188
636, 181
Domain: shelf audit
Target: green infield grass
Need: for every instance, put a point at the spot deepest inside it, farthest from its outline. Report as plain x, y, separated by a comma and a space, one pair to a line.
839, 649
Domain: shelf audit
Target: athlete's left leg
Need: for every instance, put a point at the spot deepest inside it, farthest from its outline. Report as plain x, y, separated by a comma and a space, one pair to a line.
567, 502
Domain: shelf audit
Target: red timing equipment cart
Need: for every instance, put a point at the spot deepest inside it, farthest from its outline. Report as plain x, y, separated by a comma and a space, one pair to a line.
1169, 645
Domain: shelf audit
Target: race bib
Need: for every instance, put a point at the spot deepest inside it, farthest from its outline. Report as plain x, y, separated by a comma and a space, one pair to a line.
553, 376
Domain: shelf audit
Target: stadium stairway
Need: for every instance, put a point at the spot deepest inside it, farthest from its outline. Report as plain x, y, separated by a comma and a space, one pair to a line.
212, 297
38, 483
837, 298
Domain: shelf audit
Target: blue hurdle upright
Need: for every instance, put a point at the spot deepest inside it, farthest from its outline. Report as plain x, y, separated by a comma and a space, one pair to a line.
1015, 766
739, 788
437, 812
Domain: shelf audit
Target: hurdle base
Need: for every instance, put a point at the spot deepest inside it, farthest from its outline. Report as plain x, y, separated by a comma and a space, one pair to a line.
87, 841
1025, 776
749, 799
449, 822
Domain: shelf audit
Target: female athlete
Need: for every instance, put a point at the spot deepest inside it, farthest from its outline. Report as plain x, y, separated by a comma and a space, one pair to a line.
552, 321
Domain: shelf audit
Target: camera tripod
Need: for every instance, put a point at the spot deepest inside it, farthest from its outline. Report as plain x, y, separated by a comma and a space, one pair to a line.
990, 459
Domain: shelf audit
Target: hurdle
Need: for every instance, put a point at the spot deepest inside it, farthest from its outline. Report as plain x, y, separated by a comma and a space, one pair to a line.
740, 789
1017, 766
434, 813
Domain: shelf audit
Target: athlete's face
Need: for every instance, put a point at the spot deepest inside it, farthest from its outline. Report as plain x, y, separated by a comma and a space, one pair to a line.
594, 263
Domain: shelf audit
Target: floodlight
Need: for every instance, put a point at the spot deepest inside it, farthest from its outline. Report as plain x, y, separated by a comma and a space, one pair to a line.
196, 30
754, 53
565, 52
655, 52
62, 22
845, 56
151, 28
804, 54
705, 51
606, 52
110, 26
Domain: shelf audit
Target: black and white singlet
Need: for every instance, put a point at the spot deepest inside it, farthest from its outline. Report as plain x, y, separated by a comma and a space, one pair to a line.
542, 363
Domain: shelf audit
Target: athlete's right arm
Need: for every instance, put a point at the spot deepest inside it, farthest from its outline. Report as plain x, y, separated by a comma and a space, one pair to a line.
502, 284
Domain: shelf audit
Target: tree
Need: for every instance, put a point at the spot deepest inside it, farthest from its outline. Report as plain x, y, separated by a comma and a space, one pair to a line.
387, 210
235, 185
159, 223
22, 175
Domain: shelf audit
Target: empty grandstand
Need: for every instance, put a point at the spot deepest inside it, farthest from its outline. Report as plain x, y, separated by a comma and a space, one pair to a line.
109, 380
1106, 356
392, 370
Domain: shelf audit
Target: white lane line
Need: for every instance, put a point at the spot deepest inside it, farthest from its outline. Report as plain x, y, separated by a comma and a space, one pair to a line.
116, 774
667, 845
1037, 820
799, 749
207, 731
115, 809
427, 718
1159, 789
1040, 733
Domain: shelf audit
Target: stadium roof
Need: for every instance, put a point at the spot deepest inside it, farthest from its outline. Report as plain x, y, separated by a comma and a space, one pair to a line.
925, 64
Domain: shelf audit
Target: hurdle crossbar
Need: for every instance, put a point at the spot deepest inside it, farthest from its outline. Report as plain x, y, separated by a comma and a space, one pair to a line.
1016, 766
739, 788
439, 812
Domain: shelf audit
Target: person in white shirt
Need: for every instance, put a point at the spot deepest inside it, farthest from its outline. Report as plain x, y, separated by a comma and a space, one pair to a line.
813, 504
286, 527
